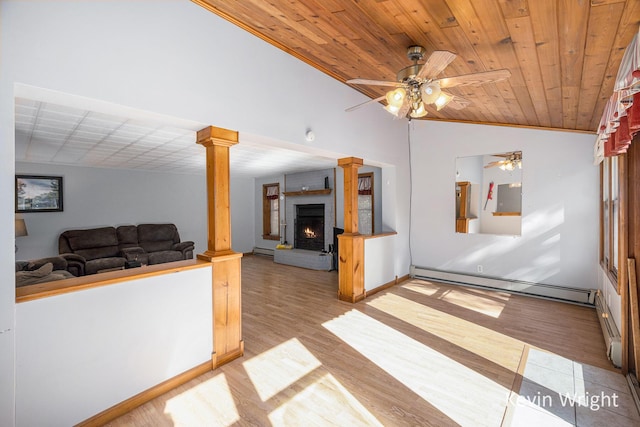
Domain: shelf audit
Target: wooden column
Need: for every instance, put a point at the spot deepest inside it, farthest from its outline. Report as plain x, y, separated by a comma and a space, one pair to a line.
351, 243
226, 280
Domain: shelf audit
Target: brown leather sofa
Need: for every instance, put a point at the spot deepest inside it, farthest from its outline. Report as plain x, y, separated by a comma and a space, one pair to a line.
101, 249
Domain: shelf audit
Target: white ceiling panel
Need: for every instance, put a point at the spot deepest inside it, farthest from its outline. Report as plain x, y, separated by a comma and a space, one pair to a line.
47, 132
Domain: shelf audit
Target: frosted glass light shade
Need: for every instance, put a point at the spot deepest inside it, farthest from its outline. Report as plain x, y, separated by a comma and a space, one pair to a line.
396, 97
443, 100
430, 92
392, 109
419, 112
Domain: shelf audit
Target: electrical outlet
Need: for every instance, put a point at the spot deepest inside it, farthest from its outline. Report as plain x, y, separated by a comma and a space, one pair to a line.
480, 268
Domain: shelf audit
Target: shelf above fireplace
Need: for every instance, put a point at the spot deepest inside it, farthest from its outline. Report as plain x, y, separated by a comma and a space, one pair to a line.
308, 192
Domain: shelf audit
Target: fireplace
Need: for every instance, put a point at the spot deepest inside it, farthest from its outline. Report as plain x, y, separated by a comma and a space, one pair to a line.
309, 227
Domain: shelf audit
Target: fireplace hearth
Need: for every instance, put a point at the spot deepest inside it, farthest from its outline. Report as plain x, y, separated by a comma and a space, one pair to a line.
309, 227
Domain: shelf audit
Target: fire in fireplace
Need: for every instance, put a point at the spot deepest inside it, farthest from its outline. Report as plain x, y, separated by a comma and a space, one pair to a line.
309, 227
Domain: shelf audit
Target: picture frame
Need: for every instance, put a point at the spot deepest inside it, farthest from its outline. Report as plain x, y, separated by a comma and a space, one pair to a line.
38, 193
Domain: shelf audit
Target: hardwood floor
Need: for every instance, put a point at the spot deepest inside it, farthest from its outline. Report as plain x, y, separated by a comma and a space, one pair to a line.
419, 353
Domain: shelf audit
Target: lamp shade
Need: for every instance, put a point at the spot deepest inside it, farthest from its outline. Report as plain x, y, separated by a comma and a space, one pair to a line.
21, 228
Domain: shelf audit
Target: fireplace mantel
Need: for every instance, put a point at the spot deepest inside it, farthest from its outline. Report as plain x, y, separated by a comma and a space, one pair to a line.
308, 192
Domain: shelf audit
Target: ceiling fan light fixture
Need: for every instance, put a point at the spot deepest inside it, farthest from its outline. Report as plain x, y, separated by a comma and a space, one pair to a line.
443, 100
418, 112
392, 109
396, 97
430, 92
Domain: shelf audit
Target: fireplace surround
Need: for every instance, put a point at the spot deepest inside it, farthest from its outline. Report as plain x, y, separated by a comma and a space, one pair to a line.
309, 227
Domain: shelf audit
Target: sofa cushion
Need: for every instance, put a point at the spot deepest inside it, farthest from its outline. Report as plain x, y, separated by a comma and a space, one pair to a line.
157, 237
164, 256
96, 265
127, 236
93, 243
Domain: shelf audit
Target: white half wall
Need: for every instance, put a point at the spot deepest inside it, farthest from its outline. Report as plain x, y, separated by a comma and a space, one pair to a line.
560, 191
82, 352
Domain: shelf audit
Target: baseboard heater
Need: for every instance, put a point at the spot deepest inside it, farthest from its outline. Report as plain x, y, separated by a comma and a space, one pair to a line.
263, 251
575, 295
609, 331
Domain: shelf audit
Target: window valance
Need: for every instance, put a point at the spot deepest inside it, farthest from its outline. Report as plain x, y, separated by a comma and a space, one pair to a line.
272, 192
364, 185
621, 118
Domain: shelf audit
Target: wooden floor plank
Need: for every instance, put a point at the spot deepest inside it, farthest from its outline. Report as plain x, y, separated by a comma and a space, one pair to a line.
410, 355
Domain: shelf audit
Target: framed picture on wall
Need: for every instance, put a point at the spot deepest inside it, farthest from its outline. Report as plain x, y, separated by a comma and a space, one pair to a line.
35, 193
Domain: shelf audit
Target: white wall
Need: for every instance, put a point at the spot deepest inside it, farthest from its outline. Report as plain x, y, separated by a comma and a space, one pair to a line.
176, 58
96, 197
243, 209
560, 191
80, 353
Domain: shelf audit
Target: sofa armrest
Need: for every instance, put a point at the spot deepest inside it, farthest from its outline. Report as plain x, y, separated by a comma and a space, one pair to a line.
75, 263
135, 253
21, 265
183, 246
58, 262
73, 257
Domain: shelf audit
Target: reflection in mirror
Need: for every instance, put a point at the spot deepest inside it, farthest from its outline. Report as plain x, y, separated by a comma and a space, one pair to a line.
489, 193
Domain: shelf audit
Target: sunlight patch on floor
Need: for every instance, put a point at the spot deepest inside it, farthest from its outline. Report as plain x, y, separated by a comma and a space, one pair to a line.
277, 368
489, 305
325, 402
462, 394
467, 335
557, 391
210, 400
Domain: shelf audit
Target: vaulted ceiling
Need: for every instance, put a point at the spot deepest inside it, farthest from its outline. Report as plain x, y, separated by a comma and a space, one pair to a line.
563, 55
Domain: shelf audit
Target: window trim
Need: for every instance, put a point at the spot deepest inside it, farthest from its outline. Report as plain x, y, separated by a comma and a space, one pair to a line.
266, 213
373, 200
615, 273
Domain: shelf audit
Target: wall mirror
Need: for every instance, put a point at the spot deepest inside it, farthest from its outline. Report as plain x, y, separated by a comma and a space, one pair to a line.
489, 194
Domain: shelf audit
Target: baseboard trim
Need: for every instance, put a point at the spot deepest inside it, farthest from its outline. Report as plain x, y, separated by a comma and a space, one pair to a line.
559, 293
141, 398
387, 285
228, 357
263, 251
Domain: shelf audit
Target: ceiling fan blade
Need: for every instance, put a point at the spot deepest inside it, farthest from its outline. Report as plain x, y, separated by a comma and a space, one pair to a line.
355, 107
458, 103
475, 78
493, 164
373, 82
404, 109
436, 63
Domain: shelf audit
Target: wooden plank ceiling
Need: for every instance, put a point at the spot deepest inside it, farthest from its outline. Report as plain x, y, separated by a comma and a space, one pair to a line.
563, 54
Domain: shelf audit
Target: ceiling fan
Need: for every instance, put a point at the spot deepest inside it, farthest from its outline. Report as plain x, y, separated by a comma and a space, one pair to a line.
512, 160
417, 85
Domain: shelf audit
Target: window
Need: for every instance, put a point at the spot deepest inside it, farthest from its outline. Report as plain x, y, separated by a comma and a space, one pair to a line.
365, 203
271, 211
610, 213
